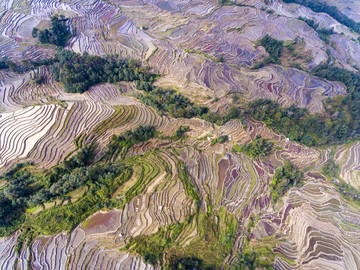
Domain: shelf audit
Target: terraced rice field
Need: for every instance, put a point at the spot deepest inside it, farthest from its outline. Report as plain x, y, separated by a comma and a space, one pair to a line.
21, 130
346, 157
205, 51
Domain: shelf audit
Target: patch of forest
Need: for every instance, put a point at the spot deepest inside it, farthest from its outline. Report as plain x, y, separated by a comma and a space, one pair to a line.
285, 178
259, 147
78, 72
58, 33
177, 105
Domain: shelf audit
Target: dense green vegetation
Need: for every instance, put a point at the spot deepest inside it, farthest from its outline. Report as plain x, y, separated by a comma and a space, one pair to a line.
26, 65
167, 100
330, 169
78, 72
220, 139
285, 178
180, 132
207, 251
321, 6
273, 47
245, 261
299, 125
58, 34
26, 189
259, 147
176, 104
4, 64
140, 134
121, 144
309, 22
233, 3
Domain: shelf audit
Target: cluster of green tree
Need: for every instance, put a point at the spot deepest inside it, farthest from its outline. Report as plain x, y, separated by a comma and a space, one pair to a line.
39, 79
167, 100
78, 72
180, 132
120, 144
216, 234
259, 147
244, 261
324, 33
176, 104
12, 203
58, 34
330, 169
309, 22
225, 2
12, 171
187, 264
232, 113
299, 125
273, 47
4, 64
233, 3
220, 139
285, 178
140, 134
26, 65
26, 190
321, 6
144, 85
